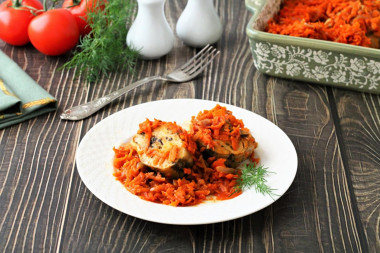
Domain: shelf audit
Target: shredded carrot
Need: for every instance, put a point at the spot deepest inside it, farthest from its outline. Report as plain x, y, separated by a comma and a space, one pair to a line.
219, 162
205, 179
217, 124
173, 154
355, 22
190, 190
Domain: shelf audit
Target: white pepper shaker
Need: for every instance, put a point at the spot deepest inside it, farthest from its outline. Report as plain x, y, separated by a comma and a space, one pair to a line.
199, 24
150, 33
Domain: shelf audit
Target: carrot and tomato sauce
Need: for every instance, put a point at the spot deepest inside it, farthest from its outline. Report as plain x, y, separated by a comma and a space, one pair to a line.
207, 178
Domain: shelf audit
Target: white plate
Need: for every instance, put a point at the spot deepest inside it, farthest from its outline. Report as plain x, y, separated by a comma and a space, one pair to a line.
94, 162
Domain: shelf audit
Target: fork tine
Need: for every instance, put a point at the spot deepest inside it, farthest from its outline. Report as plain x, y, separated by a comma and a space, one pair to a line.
200, 53
200, 58
205, 65
200, 66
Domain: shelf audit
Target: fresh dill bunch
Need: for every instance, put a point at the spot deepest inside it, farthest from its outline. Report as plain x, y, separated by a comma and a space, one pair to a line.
104, 49
253, 175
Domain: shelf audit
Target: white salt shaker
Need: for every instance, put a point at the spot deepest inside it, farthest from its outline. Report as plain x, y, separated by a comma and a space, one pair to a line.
150, 33
199, 24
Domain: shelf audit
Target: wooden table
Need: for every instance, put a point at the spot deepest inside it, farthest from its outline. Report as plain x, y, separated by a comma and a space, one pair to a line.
333, 204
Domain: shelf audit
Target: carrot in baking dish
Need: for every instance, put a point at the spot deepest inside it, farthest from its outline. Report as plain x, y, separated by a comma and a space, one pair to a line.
355, 22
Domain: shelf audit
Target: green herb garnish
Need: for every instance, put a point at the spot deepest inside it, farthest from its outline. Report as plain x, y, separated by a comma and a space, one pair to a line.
253, 175
104, 49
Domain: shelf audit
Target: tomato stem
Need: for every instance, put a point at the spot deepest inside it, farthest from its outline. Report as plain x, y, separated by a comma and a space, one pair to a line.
54, 2
17, 3
76, 2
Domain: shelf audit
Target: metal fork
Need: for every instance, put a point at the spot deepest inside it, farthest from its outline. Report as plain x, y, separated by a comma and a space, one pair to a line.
186, 72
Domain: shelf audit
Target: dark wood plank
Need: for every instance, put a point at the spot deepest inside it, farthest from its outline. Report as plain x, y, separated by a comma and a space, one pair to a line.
37, 162
317, 207
359, 122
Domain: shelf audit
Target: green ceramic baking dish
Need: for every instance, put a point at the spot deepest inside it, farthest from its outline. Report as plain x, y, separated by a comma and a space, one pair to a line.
324, 62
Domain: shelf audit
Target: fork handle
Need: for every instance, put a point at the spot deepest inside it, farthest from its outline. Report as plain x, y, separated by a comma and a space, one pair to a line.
84, 110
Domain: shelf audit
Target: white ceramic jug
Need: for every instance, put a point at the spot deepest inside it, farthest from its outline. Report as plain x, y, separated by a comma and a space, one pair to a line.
150, 33
199, 24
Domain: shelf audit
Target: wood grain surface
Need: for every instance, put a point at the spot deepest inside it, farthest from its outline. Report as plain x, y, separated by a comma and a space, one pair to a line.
333, 204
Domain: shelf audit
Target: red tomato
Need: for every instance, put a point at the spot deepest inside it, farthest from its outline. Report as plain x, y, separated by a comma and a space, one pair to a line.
79, 9
54, 32
14, 20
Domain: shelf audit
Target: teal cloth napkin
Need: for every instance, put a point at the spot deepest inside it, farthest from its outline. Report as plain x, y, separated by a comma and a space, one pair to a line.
21, 98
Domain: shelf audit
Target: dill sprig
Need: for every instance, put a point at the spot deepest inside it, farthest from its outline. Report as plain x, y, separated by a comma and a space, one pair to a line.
104, 49
253, 175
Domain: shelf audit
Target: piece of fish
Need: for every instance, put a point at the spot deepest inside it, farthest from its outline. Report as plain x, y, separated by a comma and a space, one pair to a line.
163, 140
